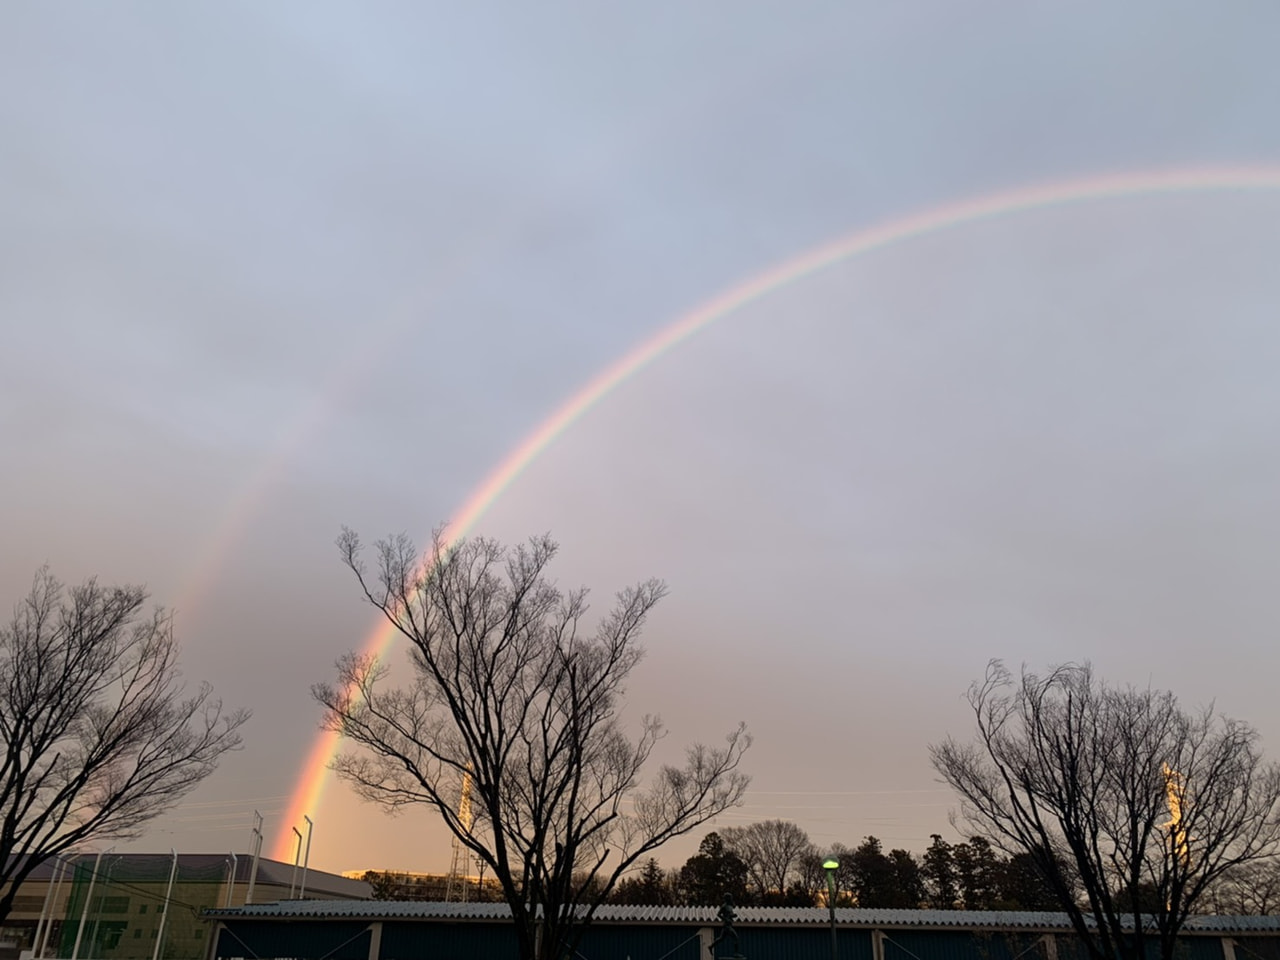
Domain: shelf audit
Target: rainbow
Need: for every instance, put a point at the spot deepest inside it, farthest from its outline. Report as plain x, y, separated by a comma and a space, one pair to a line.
307, 793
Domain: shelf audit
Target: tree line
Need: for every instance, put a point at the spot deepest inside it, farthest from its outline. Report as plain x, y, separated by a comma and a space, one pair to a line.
773, 863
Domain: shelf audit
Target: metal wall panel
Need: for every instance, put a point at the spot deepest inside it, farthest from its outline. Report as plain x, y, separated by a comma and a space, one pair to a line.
804, 943
444, 939
962, 945
265, 940
1071, 947
447, 941
1257, 948
610, 942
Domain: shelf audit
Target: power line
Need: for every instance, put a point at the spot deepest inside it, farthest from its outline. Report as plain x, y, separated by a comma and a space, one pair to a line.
233, 815
240, 802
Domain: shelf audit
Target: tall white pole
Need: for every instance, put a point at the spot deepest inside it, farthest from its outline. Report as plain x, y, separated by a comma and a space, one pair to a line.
164, 910
58, 864
88, 899
257, 853
43, 946
231, 880
306, 859
97, 914
293, 880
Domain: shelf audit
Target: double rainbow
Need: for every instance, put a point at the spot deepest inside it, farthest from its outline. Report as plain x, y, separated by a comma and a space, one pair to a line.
309, 789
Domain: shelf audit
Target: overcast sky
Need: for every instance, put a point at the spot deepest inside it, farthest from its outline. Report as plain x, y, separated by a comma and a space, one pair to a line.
269, 269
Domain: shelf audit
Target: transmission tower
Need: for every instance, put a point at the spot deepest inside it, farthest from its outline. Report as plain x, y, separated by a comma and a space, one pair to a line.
457, 880
1175, 788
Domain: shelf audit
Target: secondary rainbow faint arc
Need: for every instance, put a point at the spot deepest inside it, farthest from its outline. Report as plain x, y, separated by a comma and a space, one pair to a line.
307, 793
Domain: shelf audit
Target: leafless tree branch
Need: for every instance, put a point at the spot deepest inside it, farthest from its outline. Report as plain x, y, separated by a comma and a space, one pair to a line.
510, 689
1145, 805
98, 735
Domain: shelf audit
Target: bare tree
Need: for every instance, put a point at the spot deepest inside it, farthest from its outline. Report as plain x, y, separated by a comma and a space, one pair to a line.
1251, 888
510, 691
811, 877
96, 734
773, 851
1145, 804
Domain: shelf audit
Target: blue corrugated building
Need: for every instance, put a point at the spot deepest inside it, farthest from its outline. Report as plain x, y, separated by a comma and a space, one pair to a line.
346, 930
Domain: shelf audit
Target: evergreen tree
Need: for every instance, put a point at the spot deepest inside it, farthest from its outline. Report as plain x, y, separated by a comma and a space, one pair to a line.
654, 883
871, 874
887, 881
939, 871
1023, 885
907, 889
711, 873
977, 873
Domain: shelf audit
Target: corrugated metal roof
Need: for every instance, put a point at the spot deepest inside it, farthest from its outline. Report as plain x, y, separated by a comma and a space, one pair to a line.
778, 916
1234, 924
369, 910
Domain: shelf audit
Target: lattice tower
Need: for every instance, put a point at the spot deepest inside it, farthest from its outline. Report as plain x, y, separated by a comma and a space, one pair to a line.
1175, 789
457, 881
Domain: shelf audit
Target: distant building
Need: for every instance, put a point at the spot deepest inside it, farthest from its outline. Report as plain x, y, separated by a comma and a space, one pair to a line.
407, 885
117, 914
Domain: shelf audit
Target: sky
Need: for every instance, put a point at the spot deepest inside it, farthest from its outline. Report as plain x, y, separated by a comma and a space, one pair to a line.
271, 269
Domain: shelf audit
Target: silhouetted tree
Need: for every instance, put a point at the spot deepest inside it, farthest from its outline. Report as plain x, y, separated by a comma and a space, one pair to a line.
1146, 804
939, 870
656, 883
812, 878
96, 735
653, 886
712, 872
773, 851
977, 869
511, 691
385, 884
886, 881
908, 889
393, 885
974, 876
1022, 885
1251, 888
870, 874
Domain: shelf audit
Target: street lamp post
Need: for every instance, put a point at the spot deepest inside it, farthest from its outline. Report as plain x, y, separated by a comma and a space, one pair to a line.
831, 865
